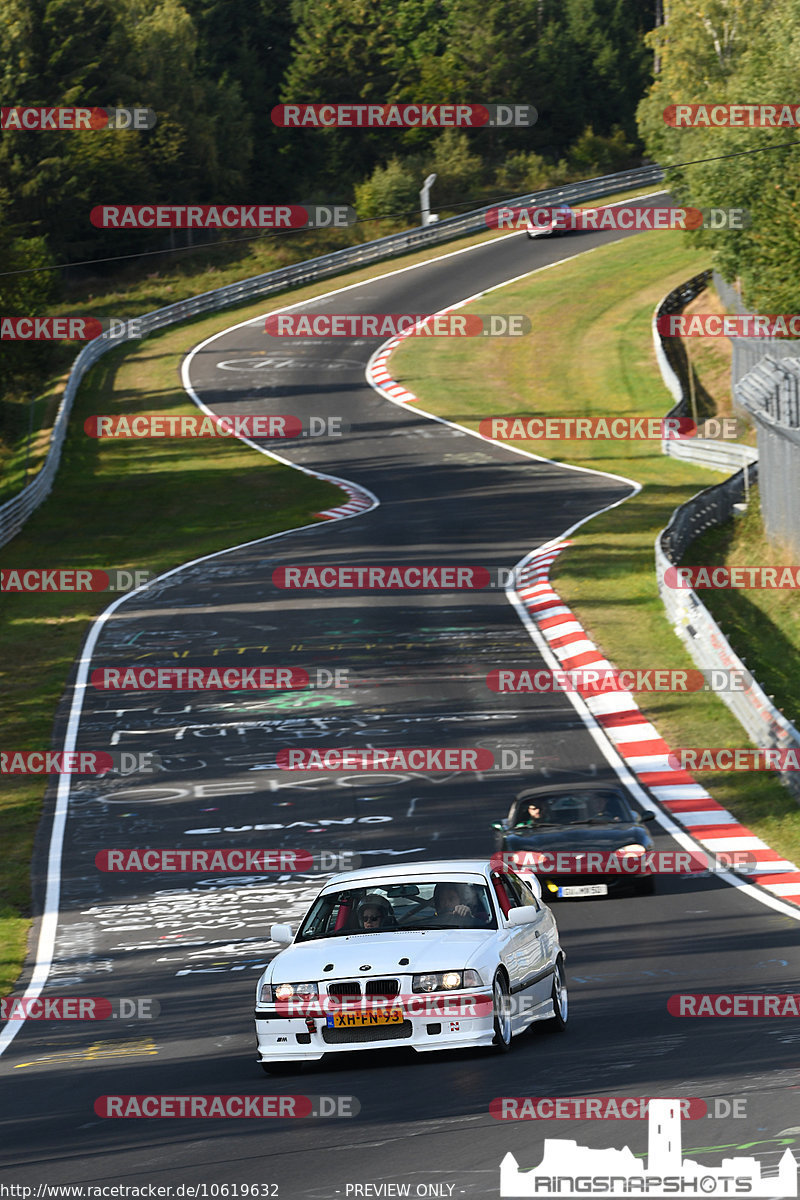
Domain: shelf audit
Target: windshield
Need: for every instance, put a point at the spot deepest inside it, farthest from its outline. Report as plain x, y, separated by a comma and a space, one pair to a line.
599, 807
398, 908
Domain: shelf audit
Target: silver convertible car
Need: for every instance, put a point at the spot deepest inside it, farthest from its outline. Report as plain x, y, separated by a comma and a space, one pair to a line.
436, 956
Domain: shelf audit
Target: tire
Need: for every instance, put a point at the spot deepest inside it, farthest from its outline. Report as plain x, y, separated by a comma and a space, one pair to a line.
559, 997
644, 887
281, 1068
502, 1015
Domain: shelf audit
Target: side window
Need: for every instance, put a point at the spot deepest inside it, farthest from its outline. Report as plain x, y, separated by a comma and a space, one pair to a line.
523, 895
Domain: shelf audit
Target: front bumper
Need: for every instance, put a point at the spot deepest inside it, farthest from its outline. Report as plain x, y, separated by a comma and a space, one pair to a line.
451, 1024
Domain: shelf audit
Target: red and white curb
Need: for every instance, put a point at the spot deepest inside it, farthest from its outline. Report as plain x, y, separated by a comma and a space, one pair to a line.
637, 741
378, 374
358, 501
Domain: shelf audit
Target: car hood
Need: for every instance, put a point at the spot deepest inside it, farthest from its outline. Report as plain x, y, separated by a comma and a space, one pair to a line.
425, 950
578, 837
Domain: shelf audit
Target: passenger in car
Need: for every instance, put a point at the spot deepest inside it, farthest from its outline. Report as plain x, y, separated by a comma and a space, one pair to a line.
375, 912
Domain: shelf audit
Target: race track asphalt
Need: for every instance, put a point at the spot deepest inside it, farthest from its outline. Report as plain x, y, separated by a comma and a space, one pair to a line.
417, 664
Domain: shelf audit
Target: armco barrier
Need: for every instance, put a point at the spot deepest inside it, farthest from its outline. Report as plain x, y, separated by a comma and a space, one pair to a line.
674, 366
690, 618
15, 512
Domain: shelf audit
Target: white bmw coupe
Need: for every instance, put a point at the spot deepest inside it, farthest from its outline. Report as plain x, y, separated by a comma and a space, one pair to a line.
437, 956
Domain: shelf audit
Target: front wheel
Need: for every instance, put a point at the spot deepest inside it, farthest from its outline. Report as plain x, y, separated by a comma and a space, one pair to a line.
502, 1015
559, 997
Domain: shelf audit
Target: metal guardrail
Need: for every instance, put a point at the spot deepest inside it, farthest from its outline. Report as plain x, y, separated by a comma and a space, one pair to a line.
691, 620
15, 512
674, 366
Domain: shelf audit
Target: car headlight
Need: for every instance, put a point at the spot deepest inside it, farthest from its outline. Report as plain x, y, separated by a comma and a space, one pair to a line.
445, 981
633, 848
270, 992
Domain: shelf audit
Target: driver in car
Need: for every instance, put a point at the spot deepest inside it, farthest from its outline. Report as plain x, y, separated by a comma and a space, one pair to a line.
531, 815
456, 903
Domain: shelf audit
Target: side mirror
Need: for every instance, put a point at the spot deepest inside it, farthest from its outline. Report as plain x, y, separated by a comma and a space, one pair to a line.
282, 934
647, 816
523, 916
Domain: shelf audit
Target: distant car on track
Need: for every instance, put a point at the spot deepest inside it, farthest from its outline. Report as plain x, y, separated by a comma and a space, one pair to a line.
436, 956
575, 819
537, 227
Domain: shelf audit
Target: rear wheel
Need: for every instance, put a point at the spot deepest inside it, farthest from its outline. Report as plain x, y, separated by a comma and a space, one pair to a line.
502, 1015
559, 997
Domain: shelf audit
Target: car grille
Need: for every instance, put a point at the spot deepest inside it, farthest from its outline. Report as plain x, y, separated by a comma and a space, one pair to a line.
372, 1033
381, 987
345, 989
372, 987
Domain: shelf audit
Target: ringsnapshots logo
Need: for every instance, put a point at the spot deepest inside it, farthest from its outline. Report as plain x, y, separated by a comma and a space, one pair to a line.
237, 861
570, 1170
222, 216
211, 425
71, 579
196, 1107
78, 762
384, 325
40, 118
67, 329
728, 116
594, 681
622, 217
404, 116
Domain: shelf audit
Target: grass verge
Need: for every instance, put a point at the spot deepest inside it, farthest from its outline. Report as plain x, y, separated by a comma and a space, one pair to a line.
600, 306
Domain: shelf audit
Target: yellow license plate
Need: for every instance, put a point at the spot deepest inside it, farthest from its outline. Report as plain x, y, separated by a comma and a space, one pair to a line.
373, 1016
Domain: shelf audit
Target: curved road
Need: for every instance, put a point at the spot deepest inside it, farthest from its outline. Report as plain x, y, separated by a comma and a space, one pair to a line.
417, 664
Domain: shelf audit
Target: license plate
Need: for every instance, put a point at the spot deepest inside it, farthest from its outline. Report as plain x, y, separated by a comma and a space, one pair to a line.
374, 1016
586, 889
